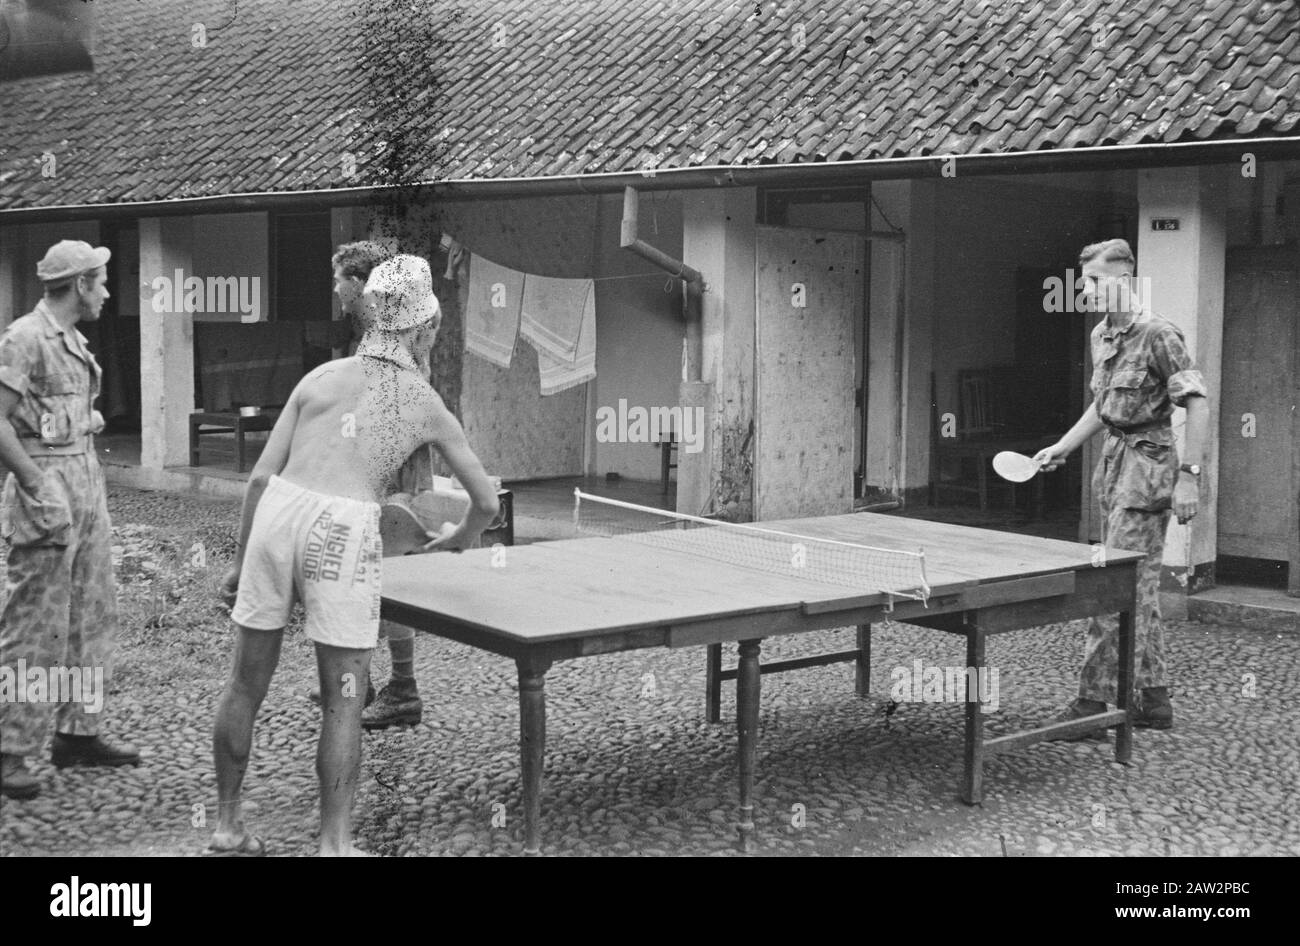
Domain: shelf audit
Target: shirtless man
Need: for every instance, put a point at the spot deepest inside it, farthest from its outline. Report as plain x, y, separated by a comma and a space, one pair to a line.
310, 530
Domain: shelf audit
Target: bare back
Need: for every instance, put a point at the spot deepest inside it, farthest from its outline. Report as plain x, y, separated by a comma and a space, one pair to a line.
357, 421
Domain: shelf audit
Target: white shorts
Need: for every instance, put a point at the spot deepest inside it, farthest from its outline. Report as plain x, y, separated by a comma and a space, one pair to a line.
322, 550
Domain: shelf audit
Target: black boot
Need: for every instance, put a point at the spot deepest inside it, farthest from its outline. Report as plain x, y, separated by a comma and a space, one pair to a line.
90, 751
15, 780
1153, 710
398, 704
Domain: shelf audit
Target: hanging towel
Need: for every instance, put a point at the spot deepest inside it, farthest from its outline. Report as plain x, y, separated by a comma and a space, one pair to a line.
558, 375
491, 332
554, 313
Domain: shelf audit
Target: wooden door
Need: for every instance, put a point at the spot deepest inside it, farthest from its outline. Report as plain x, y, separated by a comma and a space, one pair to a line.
808, 293
1259, 483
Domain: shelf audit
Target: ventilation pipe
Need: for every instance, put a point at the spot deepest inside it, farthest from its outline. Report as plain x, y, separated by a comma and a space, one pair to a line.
693, 345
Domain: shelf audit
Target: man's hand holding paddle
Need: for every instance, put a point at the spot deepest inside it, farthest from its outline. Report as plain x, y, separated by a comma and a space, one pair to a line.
449, 538
1051, 458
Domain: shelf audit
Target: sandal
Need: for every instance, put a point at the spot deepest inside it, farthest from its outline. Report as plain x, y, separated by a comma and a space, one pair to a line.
250, 845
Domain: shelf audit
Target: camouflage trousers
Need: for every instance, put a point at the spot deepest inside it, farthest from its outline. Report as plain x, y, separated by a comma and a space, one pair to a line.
60, 606
396, 632
1131, 530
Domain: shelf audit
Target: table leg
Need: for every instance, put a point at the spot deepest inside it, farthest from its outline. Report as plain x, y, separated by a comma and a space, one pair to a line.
713, 684
241, 459
532, 745
194, 443
972, 789
862, 671
1124, 685
508, 504
748, 680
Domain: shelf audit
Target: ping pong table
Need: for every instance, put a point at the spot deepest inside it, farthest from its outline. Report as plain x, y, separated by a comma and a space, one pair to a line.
561, 600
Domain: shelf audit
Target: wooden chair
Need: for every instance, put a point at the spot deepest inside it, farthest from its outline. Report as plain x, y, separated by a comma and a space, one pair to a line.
667, 456
986, 400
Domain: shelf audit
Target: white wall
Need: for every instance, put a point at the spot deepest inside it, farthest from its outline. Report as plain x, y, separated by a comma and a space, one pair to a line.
166, 346
1187, 272
640, 329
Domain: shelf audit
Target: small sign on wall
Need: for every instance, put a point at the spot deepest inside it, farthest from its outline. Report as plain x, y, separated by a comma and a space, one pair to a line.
1164, 223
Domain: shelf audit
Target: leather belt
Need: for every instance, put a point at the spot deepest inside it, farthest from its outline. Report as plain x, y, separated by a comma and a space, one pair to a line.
33, 447
1118, 431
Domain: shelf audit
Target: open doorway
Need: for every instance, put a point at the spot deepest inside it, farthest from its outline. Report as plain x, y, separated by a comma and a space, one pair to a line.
1051, 380
1017, 391
115, 338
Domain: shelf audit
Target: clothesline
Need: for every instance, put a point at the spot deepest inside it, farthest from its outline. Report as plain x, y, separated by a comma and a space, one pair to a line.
645, 275
636, 276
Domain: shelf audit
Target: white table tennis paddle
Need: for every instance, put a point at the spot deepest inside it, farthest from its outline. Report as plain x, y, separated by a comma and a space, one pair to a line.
1015, 467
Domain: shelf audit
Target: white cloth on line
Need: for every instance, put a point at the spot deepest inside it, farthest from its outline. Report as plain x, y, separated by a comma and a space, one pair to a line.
557, 375
491, 331
554, 314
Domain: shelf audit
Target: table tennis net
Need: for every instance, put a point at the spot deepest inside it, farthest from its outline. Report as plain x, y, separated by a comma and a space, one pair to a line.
864, 568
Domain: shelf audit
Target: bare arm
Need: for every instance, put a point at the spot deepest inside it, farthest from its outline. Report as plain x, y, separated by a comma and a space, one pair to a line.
13, 457
1084, 429
449, 438
1187, 491
1198, 422
272, 461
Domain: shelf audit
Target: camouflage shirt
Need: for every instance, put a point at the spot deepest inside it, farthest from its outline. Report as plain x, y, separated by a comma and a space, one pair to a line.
56, 379
1141, 372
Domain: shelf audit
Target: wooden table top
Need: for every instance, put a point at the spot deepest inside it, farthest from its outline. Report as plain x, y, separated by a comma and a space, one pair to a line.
580, 587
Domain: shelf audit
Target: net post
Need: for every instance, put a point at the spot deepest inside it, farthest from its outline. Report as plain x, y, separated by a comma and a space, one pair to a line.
925, 579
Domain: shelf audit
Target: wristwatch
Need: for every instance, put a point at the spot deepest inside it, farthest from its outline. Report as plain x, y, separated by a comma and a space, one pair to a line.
1192, 468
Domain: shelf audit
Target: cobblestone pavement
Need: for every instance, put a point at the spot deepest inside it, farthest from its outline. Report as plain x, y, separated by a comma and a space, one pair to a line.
631, 766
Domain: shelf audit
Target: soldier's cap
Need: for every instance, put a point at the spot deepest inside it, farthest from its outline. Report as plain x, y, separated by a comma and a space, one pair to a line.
69, 258
399, 295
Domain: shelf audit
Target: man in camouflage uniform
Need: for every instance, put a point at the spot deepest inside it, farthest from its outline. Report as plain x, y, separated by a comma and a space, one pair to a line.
61, 606
1142, 370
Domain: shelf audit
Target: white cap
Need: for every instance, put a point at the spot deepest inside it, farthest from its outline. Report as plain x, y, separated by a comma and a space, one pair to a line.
399, 295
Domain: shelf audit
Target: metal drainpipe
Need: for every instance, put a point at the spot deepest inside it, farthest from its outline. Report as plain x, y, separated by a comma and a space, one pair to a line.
693, 278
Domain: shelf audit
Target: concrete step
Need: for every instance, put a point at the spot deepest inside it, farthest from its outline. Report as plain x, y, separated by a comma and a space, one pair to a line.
1246, 607
205, 481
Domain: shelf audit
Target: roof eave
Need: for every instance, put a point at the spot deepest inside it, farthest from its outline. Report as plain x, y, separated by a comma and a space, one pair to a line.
792, 175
